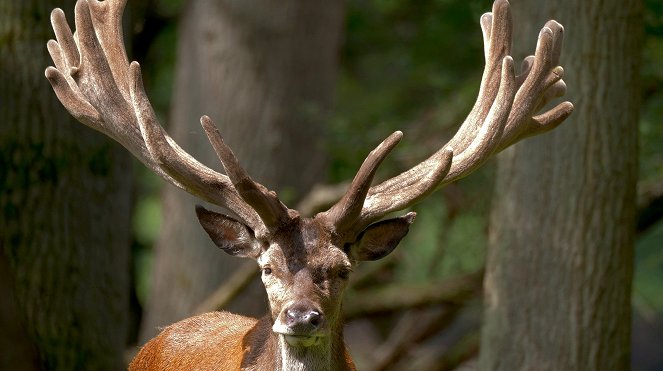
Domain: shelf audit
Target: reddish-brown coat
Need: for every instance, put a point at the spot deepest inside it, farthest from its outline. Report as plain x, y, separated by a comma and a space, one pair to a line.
219, 341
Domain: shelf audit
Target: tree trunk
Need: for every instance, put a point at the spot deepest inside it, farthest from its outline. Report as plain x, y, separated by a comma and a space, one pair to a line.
64, 211
264, 71
560, 264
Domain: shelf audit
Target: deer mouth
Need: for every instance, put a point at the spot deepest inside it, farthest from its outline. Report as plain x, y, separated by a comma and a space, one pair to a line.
303, 341
301, 338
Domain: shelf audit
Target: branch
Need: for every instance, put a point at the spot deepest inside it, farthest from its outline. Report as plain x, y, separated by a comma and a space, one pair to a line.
462, 351
229, 289
396, 297
321, 197
416, 327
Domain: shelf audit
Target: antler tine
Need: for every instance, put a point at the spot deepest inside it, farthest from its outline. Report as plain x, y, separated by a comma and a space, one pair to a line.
94, 81
107, 21
490, 133
497, 30
413, 185
503, 114
344, 214
541, 81
193, 176
84, 83
265, 202
385, 198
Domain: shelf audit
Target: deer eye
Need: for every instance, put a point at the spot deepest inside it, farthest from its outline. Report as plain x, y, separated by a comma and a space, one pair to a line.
344, 273
267, 271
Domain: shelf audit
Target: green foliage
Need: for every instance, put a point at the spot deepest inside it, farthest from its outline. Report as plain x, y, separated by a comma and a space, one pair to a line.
158, 59
654, 18
648, 279
168, 8
651, 125
147, 212
146, 225
466, 245
421, 249
439, 247
400, 60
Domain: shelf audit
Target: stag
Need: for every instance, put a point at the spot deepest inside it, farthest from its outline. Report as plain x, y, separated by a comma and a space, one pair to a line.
305, 262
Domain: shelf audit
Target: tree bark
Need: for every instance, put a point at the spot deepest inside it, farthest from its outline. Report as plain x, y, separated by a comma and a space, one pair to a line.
64, 210
560, 264
265, 72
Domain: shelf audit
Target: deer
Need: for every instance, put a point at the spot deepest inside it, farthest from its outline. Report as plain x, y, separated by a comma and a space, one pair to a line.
305, 262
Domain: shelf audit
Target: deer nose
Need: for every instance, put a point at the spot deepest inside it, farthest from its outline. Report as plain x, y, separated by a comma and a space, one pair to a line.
302, 318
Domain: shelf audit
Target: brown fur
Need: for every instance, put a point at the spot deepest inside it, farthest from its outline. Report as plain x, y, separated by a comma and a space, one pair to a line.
219, 341
211, 341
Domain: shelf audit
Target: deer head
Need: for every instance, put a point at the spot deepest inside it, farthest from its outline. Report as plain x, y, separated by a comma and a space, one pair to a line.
305, 262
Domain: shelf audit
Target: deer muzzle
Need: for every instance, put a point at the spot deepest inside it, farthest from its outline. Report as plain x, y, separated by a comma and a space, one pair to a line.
301, 323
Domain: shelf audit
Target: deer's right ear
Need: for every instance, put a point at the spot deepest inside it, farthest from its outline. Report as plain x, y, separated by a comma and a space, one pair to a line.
232, 236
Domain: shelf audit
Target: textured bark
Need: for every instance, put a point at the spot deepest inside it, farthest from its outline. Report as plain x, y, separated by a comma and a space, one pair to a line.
264, 71
64, 211
560, 264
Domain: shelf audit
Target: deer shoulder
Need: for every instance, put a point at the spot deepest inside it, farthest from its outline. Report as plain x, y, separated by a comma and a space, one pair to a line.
210, 341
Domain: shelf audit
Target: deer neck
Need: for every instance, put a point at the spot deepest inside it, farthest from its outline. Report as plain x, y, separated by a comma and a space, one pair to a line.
271, 351
318, 357
328, 355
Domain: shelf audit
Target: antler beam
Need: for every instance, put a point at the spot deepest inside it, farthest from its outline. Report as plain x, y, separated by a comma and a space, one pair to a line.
504, 113
98, 86
96, 83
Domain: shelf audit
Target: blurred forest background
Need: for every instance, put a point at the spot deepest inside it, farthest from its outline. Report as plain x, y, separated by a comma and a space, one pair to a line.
374, 66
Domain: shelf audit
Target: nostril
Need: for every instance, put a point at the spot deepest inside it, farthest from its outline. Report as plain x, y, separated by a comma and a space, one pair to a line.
293, 315
314, 318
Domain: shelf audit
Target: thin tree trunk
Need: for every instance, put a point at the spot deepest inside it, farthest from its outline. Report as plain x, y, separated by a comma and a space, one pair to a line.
264, 71
560, 264
64, 209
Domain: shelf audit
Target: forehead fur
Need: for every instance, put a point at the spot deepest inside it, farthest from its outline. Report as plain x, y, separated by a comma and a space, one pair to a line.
309, 243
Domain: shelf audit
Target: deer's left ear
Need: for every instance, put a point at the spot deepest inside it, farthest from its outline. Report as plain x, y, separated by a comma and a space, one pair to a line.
381, 238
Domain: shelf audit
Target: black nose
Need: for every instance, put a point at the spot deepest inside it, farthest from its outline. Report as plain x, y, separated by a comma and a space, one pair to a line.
303, 318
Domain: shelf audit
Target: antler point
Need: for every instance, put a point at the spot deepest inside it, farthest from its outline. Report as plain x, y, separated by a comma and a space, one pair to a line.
57, 12
208, 125
559, 71
50, 72
546, 31
500, 6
